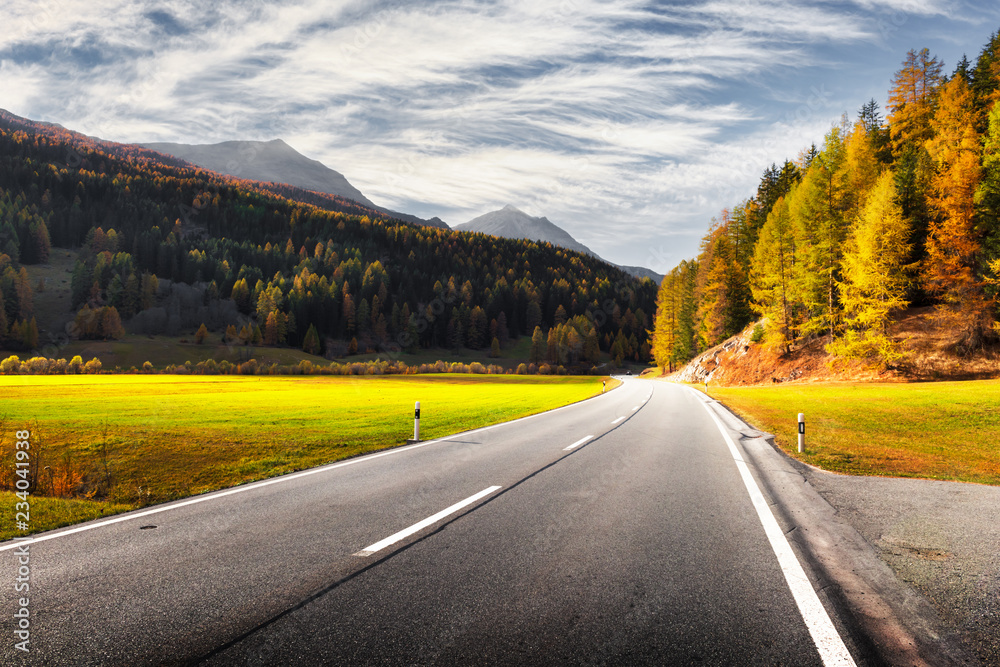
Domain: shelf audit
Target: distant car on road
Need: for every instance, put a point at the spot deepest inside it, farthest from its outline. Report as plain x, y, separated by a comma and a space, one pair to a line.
628, 372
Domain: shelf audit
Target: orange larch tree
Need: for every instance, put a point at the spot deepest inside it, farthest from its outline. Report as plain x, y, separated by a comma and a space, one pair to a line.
953, 241
911, 99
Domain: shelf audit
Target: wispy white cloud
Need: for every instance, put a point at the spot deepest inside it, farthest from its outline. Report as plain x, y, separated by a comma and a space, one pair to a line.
629, 122
795, 21
917, 7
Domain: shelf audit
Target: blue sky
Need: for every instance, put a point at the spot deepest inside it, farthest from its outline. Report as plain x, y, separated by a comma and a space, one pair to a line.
629, 123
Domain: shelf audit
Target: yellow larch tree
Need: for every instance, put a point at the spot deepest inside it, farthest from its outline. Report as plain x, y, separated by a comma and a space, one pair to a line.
875, 276
860, 169
771, 277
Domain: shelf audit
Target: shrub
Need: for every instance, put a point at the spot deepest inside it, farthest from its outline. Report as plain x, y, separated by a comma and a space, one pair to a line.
11, 365
37, 365
75, 365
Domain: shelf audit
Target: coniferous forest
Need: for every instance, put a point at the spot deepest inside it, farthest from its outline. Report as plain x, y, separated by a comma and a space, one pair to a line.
304, 269
888, 212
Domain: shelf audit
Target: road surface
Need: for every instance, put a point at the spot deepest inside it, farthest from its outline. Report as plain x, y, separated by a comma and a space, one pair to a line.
619, 530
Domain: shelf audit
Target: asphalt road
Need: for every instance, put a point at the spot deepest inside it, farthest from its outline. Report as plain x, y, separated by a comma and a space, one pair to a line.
639, 545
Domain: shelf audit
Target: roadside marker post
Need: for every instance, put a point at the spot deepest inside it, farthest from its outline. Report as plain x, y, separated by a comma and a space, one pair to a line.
802, 433
416, 422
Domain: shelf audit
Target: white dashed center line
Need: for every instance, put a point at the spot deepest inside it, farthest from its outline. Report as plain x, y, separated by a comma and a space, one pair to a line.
406, 532
577, 443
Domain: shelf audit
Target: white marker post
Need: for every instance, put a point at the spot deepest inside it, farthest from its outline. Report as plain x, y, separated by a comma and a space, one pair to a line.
802, 433
416, 422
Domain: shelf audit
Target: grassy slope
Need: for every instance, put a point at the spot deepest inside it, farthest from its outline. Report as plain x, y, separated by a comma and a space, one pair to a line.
133, 350
944, 430
161, 351
52, 304
172, 436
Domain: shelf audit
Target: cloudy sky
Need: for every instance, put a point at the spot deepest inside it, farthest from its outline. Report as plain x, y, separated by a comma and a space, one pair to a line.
629, 123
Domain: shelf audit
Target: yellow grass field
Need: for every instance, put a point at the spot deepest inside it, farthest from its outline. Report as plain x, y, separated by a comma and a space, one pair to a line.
129, 440
936, 430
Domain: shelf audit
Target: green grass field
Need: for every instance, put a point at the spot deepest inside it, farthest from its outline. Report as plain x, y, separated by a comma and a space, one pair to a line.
941, 430
156, 438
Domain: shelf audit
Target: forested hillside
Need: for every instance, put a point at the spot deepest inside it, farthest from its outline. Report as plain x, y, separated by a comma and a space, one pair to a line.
305, 269
887, 213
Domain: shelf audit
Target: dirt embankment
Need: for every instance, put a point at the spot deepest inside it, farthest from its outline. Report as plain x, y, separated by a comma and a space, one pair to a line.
929, 355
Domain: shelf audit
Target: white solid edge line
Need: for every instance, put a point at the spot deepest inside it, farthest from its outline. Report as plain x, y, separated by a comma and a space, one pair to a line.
420, 525
617, 420
18, 542
577, 443
829, 643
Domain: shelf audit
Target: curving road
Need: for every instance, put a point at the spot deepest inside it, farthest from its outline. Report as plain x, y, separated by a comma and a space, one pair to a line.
619, 530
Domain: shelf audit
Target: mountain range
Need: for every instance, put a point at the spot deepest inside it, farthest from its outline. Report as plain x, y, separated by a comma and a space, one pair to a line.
512, 223
277, 162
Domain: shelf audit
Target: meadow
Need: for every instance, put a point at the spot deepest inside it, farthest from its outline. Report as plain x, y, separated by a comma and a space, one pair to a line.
108, 443
934, 430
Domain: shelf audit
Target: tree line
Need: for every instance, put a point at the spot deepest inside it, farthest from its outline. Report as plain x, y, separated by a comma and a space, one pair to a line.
889, 212
14, 365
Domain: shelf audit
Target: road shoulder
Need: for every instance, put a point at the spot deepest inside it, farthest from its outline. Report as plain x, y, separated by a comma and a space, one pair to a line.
843, 529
